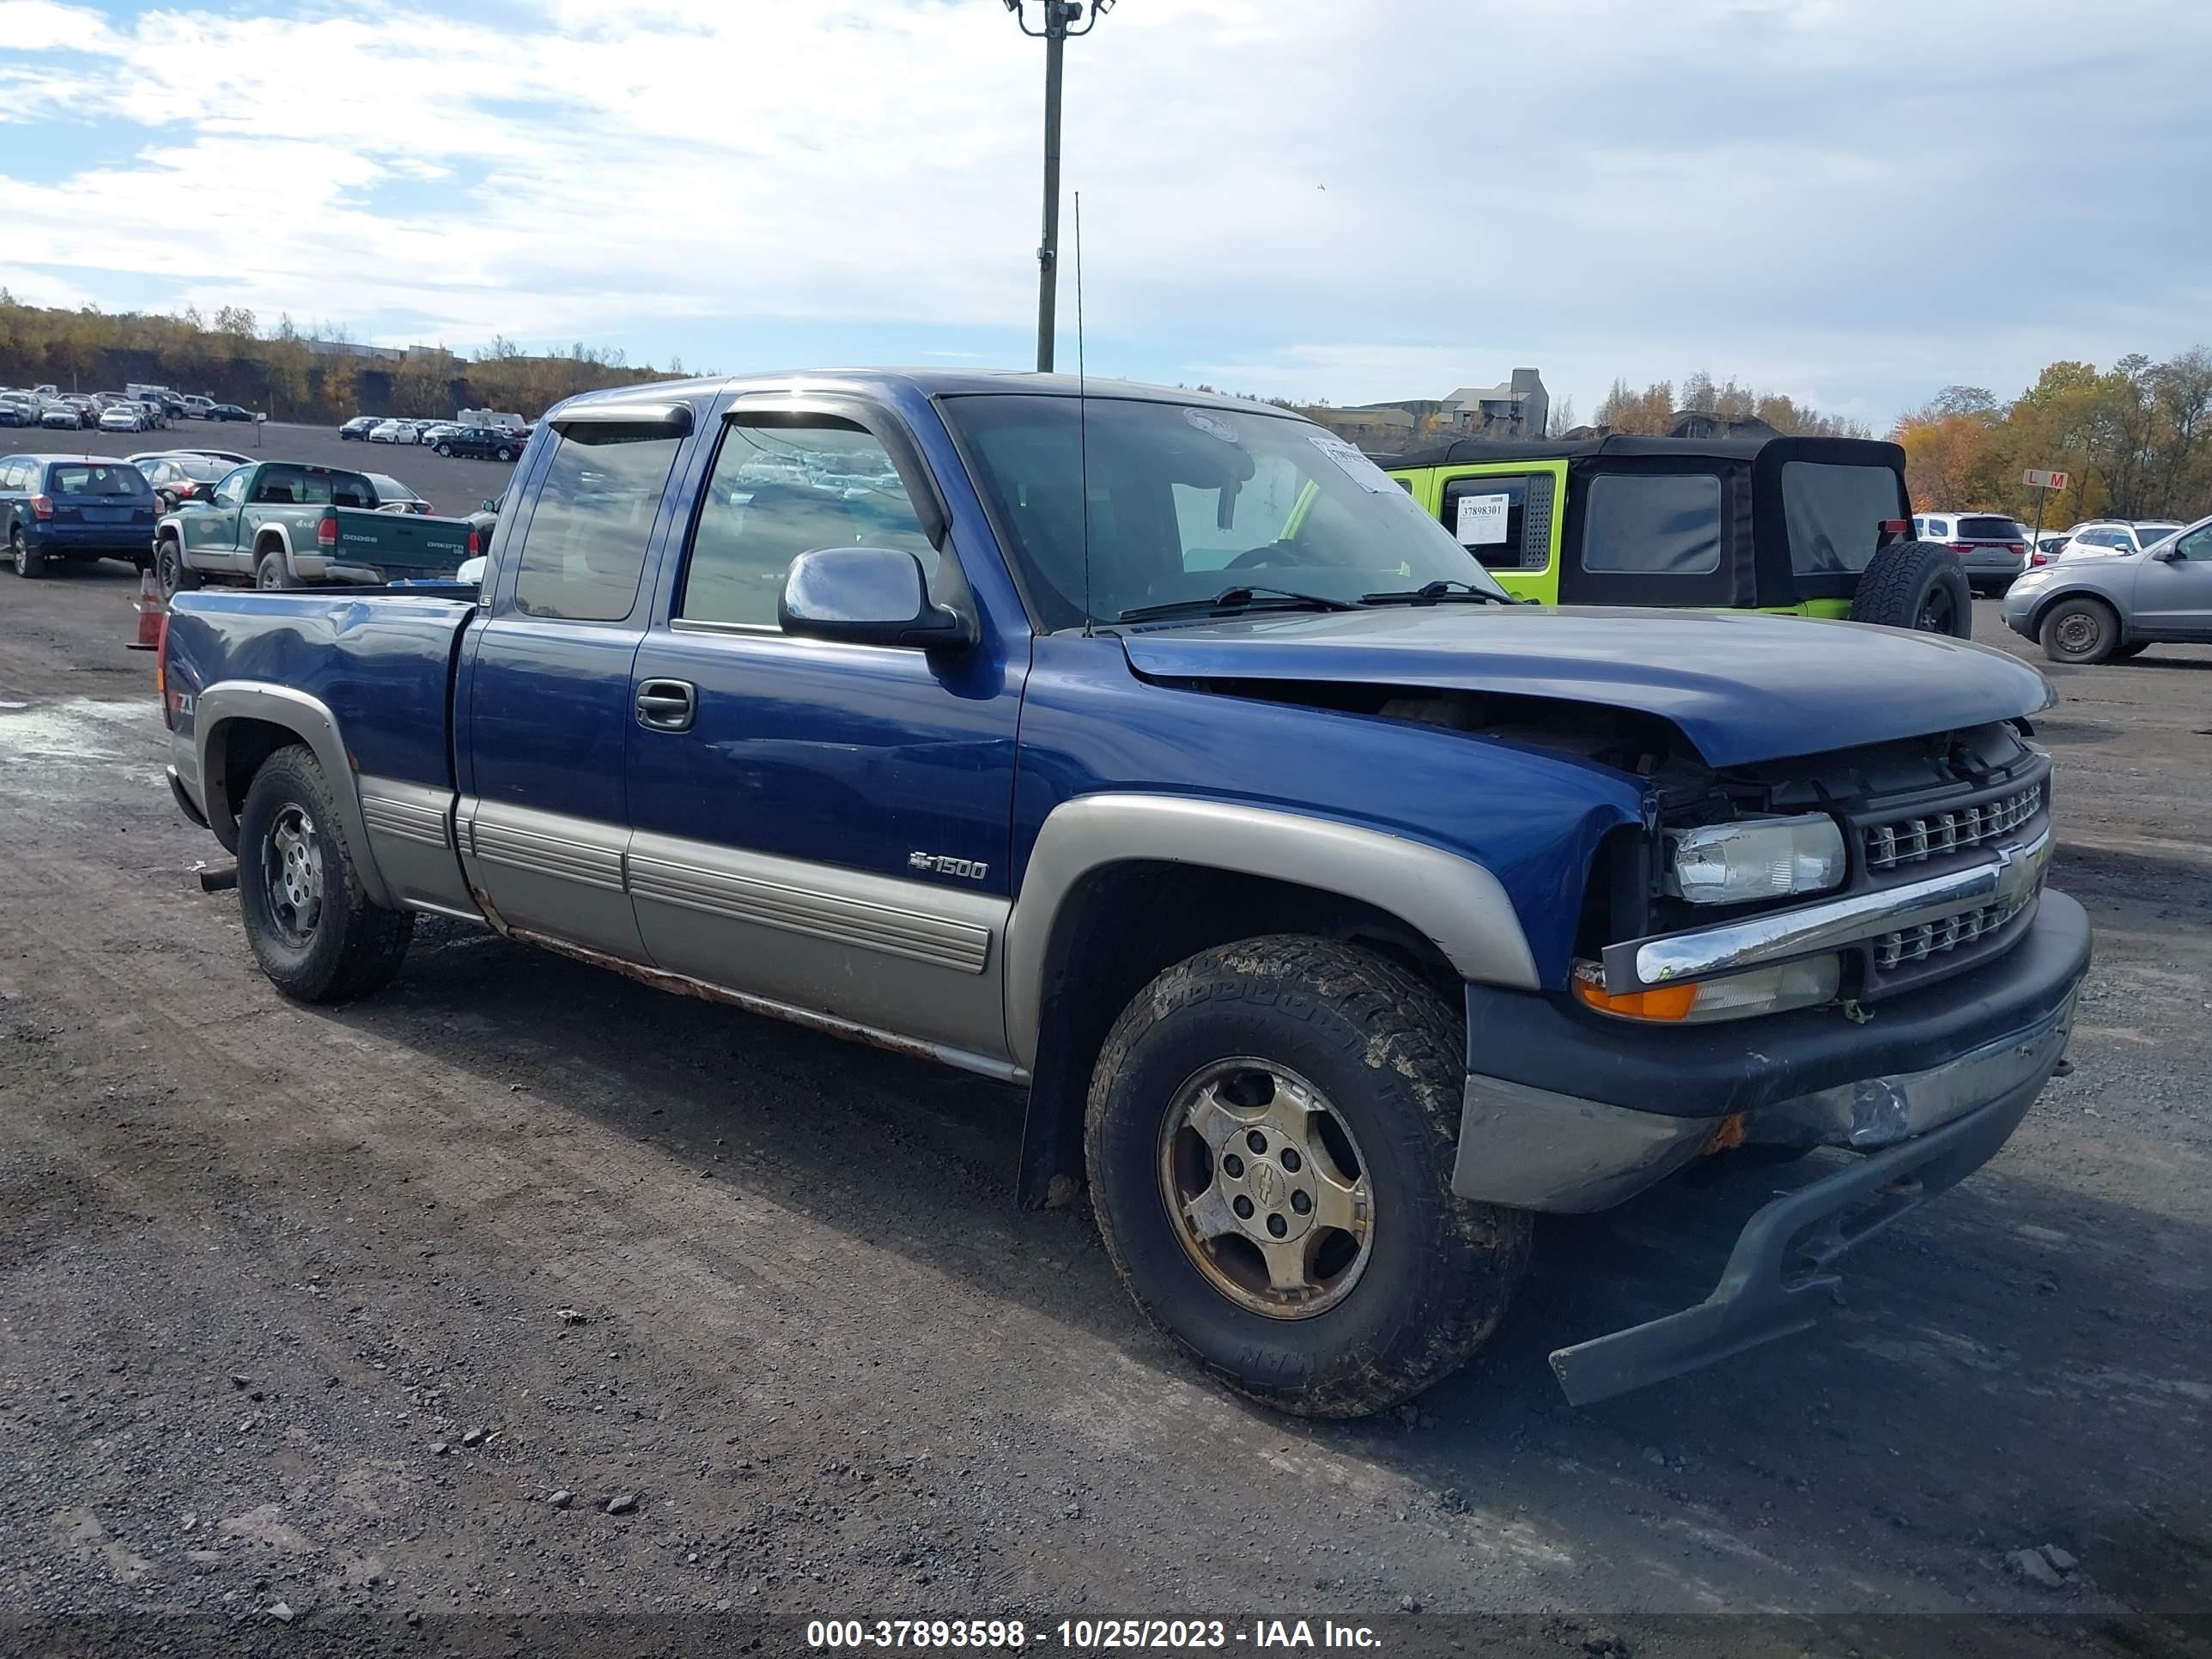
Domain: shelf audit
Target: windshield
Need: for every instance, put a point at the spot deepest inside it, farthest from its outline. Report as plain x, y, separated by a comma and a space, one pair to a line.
1186, 503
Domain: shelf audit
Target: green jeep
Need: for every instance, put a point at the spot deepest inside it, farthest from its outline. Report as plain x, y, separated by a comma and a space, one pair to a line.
1817, 527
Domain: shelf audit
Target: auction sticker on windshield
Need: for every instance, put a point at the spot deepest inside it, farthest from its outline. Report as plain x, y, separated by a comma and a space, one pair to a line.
1357, 467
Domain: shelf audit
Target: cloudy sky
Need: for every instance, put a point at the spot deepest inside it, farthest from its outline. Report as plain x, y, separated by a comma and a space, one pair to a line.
1854, 201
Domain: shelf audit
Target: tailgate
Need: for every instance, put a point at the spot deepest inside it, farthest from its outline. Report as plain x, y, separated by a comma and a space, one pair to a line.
402, 542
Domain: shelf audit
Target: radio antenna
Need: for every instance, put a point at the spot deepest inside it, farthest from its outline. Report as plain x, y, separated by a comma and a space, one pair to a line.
1082, 417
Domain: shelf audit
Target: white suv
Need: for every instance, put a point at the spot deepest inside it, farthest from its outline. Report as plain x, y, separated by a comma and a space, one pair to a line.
2101, 538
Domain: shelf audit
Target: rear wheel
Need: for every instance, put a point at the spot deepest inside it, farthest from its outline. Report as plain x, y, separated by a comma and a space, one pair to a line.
445, 449
273, 571
1916, 585
1271, 1132
505, 453
27, 560
313, 928
2080, 630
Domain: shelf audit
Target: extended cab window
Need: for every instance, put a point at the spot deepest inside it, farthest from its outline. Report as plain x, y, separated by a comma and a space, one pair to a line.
585, 543
1653, 524
1505, 522
783, 485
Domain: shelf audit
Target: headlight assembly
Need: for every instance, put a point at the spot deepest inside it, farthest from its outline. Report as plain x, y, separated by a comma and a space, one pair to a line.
1755, 859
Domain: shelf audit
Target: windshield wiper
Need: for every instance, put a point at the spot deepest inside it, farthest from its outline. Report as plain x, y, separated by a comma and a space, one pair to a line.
1451, 588
1242, 597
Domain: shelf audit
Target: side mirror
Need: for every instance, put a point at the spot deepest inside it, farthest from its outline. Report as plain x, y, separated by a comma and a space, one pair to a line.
2169, 553
868, 596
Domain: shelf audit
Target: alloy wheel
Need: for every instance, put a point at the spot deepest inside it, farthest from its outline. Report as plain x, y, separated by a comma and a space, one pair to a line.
1266, 1188
292, 875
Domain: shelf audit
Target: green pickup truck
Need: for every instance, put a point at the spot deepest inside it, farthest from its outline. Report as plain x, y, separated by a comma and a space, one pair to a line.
278, 523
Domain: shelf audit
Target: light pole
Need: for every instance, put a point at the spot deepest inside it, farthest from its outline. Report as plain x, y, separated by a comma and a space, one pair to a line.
1064, 20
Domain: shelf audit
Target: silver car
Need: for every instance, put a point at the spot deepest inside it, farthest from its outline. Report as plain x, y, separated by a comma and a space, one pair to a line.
2096, 610
1992, 550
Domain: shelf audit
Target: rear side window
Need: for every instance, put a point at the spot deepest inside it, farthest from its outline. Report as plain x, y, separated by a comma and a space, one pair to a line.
783, 485
1653, 524
585, 547
1990, 529
82, 480
1505, 522
1835, 513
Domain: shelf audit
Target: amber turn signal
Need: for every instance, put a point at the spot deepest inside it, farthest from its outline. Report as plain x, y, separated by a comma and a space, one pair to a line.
1666, 1002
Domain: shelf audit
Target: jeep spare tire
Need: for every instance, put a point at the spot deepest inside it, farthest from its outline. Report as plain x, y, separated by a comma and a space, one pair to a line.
1916, 585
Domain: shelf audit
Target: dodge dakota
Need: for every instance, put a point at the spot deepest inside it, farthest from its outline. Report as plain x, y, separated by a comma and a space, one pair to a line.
1156, 754
278, 523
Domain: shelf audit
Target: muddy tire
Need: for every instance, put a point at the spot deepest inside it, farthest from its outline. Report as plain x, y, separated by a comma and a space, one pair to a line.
2080, 630
1916, 585
1285, 1110
313, 928
172, 575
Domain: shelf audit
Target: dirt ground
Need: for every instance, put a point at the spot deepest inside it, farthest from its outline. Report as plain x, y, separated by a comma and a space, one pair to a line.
521, 1291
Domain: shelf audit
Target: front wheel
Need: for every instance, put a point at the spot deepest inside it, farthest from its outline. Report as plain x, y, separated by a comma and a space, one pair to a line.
1271, 1132
312, 928
2080, 630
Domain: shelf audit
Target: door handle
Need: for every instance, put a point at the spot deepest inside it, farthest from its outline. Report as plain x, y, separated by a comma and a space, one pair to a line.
666, 704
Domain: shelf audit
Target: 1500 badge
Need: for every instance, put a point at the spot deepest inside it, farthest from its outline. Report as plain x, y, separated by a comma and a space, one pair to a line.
938, 864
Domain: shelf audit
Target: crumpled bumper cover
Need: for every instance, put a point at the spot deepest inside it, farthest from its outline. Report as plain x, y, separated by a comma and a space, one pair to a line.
1922, 1123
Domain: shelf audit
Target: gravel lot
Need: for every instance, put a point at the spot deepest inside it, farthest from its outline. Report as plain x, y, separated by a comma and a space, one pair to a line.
523, 1290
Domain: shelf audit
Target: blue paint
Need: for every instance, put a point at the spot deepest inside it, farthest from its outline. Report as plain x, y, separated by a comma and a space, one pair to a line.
862, 756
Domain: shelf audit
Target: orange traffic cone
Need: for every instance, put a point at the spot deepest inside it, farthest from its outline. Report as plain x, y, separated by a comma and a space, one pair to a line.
150, 612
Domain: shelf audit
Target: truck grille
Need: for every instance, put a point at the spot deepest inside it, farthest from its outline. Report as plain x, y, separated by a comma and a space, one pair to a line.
1916, 840
1945, 933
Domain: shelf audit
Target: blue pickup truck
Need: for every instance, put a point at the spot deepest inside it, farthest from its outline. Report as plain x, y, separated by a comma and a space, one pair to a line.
1155, 753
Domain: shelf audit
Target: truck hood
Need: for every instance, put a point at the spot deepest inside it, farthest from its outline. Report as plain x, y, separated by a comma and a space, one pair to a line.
1740, 686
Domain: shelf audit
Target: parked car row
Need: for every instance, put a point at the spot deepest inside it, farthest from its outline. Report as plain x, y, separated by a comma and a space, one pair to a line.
1994, 550
64, 506
136, 408
501, 439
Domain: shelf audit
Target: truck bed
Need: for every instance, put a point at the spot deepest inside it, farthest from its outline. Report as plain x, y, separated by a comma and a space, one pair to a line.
380, 659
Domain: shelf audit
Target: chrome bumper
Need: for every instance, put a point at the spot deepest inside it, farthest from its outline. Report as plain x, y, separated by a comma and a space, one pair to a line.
1534, 1150
2012, 875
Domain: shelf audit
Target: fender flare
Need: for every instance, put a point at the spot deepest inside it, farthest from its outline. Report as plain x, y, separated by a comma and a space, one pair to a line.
1453, 901
311, 719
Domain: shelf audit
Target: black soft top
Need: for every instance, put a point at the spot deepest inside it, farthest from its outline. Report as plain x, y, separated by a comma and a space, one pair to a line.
1469, 452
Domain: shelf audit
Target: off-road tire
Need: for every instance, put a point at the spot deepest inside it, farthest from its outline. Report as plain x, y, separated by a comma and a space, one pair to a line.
2080, 631
1916, 585
172, 575
1386, 1049
357, 945
28, 563
270, 573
